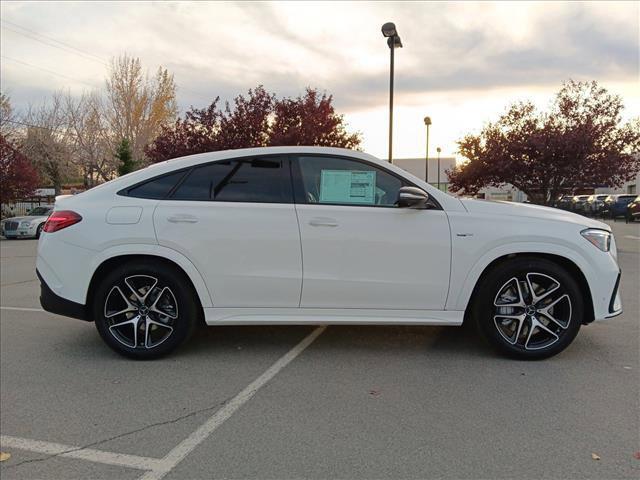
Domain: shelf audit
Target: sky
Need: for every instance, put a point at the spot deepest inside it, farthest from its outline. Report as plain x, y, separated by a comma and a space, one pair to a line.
462, 62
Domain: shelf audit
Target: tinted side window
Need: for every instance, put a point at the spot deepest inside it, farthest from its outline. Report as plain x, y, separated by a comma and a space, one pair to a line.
257, 180
158, 187
340, 181
202, 182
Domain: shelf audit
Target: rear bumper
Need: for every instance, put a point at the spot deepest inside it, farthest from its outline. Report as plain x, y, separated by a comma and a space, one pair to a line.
60, 306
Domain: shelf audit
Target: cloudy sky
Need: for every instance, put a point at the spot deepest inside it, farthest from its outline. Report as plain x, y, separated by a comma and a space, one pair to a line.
461, 62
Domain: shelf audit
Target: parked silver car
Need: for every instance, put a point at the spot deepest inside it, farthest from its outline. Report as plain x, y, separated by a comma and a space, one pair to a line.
28, 226
595, 204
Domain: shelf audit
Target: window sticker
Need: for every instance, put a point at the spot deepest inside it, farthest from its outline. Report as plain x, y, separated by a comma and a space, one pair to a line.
346, 186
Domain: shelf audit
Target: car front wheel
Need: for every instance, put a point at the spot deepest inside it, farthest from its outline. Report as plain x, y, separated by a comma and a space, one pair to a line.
144, 310
529, 308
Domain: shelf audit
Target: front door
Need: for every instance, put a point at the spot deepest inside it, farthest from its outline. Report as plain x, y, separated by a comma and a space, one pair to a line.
359, 249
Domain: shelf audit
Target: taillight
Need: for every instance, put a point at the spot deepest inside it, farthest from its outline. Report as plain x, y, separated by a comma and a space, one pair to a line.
61, 219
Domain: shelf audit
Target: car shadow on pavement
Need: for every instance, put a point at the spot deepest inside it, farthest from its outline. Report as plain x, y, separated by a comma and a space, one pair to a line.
427, 340
214, 340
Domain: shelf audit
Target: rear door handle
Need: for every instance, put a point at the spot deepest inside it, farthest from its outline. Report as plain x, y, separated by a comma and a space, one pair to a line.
323, 222
183, 219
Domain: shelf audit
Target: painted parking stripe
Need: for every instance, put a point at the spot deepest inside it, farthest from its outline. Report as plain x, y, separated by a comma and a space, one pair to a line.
632, 237
89, 454
184, 448
23, 309
158, 468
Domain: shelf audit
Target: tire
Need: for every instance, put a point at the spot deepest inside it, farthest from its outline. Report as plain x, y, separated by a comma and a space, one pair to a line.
39, 230
145, 309
505, 315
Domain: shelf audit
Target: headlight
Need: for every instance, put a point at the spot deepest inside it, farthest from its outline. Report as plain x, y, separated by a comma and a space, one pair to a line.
25, 224
600, 238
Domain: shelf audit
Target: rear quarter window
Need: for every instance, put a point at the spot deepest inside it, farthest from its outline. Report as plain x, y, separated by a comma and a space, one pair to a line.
156, 188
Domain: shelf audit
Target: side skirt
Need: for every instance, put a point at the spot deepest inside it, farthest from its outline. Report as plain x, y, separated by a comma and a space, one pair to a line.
328, 316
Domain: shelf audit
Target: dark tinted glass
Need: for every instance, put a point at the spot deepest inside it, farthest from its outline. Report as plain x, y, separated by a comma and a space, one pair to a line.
202, 182
156, 188
257, 180
40, 211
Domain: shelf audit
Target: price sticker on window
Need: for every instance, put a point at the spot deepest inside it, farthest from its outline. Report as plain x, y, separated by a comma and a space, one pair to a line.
348, 186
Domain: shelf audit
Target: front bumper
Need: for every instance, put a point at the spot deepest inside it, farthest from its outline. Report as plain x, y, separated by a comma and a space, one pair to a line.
21, 232
60, 306
615, 305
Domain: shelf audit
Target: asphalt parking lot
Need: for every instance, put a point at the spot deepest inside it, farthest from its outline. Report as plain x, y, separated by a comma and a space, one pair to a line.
306, 402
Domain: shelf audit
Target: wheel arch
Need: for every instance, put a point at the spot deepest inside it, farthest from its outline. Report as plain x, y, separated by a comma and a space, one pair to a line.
568, 264
114, 261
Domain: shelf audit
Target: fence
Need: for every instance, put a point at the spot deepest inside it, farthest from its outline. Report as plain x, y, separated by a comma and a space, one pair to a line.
22, 207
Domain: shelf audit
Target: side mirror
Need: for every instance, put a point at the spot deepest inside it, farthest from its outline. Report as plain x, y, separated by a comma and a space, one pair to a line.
412, 197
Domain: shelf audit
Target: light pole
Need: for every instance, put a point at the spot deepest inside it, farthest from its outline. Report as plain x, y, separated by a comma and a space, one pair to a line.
427, 122
393, 41
438, 150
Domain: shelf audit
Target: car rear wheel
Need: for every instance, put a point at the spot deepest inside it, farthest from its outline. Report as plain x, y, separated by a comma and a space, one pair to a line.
529, 308
145, 310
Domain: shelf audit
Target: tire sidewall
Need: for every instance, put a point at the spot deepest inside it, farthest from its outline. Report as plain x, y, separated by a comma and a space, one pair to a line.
167, 276
483, 307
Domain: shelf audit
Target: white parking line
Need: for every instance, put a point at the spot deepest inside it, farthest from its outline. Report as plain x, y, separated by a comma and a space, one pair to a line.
184, 448
159, 467
89, 454
22, 309
632, 237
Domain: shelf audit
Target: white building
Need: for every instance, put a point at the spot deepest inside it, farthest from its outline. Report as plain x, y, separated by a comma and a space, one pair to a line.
416, 166
630, 187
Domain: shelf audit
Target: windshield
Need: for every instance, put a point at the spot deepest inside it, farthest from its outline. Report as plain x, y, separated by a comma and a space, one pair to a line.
40, 211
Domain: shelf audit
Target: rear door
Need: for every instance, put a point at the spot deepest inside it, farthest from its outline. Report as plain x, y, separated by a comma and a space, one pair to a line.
236, 221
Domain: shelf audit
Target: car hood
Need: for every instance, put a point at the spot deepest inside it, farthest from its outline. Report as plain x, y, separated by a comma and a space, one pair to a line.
529, 210
24, 219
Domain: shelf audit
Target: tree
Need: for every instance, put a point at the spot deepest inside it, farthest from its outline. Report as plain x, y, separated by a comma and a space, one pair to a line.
310, 120
47, 142
19, 178
136, 107
256, 120
580, 142
90, 139
247, 124
8, 125
196, 133
123, 154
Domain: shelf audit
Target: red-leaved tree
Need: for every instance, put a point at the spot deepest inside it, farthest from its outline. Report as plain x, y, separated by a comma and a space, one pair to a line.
18, 177
580, 142
258, 119
310, 120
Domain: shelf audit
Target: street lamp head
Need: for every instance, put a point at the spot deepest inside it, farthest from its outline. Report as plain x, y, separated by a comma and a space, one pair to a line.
427, 120
389, 29
394, 42
438, 149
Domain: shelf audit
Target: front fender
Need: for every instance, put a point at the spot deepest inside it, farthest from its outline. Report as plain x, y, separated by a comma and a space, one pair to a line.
461, 301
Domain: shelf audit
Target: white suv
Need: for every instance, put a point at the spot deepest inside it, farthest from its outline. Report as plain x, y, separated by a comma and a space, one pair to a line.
311, 235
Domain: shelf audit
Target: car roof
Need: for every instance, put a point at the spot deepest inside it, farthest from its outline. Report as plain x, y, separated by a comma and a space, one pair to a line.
167, 166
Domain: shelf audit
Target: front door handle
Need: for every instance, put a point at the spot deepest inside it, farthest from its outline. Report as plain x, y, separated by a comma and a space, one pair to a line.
323, 222
183, 219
